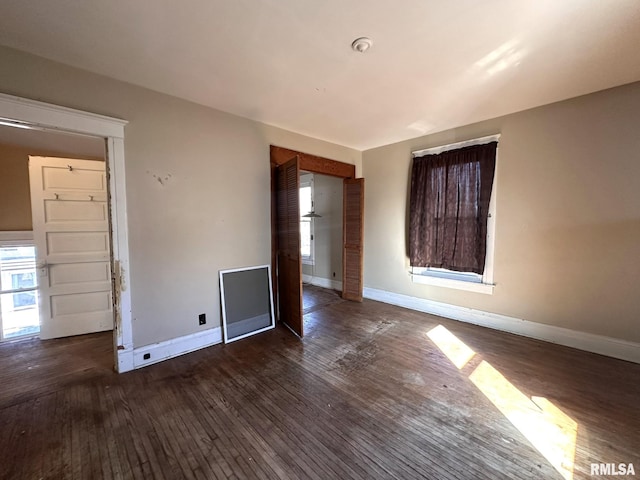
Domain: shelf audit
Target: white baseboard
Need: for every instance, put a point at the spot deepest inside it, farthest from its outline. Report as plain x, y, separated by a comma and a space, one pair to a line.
175, 347
125, 361
589, 342
322, 282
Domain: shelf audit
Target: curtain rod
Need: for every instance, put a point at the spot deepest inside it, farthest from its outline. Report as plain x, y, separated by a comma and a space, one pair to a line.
452, 146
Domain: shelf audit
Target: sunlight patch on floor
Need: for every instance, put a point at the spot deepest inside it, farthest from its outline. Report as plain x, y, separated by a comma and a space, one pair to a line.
548, 429
451, 346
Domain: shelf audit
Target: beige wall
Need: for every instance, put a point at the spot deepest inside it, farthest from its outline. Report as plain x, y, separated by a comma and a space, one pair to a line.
15, 198
568, 215
212, 210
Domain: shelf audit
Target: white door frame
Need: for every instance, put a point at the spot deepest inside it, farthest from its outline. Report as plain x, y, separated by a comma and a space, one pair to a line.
55, 118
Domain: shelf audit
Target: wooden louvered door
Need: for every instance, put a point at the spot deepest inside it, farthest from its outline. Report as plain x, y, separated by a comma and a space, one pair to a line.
353, 233
289, 265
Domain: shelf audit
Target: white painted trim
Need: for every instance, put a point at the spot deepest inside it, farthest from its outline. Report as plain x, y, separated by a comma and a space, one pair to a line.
450, 283
7, 238
453, 146
55, 117
322, 282
487, 276
123, 332
175, 347
589, 342
125, 360
50, 117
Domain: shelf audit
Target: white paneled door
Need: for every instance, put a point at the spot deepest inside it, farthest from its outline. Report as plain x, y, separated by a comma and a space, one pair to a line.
71, 232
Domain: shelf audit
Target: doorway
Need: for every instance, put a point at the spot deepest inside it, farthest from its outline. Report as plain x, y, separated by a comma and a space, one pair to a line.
28, 114
22, 282
285, 230
321, 236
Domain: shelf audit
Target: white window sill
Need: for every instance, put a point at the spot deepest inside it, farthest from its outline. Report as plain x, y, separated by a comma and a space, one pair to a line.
307, 261
485, 288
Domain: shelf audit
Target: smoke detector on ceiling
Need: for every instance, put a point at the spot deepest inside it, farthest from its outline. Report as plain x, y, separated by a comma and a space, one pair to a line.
361, 44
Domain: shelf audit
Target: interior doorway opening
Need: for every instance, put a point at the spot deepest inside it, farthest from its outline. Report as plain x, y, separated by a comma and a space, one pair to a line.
22, 275
286, 246
321, 210
33, 115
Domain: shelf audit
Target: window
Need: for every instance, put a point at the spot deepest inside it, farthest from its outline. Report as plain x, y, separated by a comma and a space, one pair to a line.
306, 223
24, 280
18, 290
452, 215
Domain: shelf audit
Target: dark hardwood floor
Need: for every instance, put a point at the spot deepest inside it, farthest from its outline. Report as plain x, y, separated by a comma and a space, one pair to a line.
367, 394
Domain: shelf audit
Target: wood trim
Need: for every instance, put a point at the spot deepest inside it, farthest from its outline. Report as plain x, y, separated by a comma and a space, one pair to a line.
274, 242
313, 163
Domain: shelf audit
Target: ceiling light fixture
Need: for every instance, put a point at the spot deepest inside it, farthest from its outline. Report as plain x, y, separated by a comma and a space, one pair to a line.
361, 44
312, 214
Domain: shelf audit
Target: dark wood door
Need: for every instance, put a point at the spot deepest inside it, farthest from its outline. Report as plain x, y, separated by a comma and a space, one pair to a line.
289, 265
353, 235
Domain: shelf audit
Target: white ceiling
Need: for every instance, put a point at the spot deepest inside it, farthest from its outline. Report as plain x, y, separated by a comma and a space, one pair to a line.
434, 64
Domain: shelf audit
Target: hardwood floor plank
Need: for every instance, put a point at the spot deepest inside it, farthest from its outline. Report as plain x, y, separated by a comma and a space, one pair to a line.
315, 404
143, 454
210, 422
289, 425
366, 394
114, 437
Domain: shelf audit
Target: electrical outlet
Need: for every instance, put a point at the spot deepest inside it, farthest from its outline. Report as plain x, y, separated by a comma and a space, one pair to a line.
202, 319
146, 356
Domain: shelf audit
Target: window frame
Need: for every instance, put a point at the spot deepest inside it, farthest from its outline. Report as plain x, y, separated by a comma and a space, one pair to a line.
18, 239
306, 180
467, 281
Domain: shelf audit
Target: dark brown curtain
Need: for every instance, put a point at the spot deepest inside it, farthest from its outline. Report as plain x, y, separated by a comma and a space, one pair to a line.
449, 207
